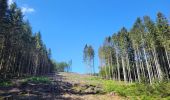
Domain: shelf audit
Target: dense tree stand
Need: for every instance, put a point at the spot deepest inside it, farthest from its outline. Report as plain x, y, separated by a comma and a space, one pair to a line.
138, 55
22, 53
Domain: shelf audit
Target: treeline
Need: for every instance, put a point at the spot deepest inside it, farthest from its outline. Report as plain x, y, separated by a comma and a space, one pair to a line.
21, 51
63, 66
141, 54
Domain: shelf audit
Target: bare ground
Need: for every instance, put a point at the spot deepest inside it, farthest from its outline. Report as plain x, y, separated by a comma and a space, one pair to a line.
64, 86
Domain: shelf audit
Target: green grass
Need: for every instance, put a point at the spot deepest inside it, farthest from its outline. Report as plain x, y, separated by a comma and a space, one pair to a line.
37, 80
143, 91
6, 84
135, 91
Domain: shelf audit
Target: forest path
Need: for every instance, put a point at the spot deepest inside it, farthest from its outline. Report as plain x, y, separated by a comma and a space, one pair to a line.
82, 87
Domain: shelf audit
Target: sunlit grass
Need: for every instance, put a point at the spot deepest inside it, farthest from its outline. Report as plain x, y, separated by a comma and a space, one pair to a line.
38, 80
143, 91
133, 91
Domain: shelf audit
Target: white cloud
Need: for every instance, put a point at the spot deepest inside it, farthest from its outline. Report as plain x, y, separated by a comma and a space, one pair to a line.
23, 9
10, 2
27, 10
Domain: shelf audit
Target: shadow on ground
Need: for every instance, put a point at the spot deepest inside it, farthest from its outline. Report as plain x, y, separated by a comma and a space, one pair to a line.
53, 91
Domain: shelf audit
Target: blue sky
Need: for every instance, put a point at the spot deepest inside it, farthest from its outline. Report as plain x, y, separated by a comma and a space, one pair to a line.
67, 25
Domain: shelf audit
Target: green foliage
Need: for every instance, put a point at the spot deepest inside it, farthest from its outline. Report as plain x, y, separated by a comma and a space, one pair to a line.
105, 71
62, 66
139, 53
108, 70
88, 58
38, 80
22, 51
142, 91
5, 84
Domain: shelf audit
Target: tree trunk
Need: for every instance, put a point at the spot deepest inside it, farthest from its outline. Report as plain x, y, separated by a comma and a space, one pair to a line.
167, 58
137, 66
118, 69
157, 65
147, 65
124, 70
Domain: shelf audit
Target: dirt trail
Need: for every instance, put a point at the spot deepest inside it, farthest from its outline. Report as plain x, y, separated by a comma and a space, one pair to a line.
80, 87
64, 86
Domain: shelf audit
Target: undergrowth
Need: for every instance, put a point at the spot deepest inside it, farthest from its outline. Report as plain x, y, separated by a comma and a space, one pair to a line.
155, 91
38, 80
5, 84
136, 91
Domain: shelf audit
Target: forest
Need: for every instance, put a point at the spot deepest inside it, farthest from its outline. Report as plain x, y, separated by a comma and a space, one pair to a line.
22, 52
141, 54
134, 63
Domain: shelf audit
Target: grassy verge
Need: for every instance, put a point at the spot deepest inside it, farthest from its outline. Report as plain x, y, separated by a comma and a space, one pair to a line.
37, 80
135, 91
